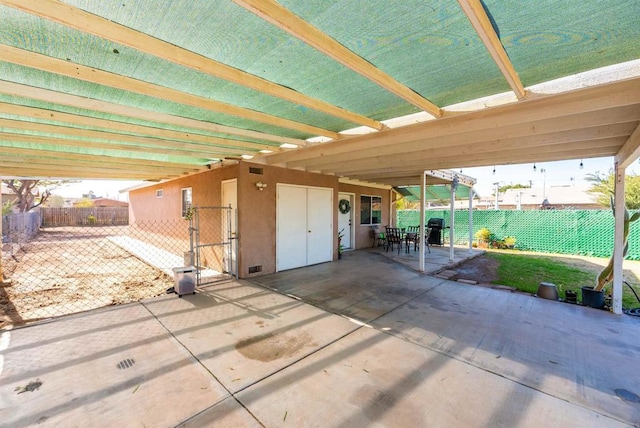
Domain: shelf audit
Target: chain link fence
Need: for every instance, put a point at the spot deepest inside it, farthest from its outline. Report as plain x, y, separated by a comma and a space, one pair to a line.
580, 232
213, 243
59, 270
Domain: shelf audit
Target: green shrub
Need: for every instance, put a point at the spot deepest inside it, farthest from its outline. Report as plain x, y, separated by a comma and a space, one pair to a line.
484, 235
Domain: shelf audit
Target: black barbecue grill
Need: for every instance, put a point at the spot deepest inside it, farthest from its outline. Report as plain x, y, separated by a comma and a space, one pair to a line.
436, 225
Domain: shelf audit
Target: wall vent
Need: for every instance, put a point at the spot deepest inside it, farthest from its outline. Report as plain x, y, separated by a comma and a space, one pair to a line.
255, 170
255, 269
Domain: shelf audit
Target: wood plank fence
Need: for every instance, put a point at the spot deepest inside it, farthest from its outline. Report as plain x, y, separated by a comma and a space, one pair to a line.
92, 216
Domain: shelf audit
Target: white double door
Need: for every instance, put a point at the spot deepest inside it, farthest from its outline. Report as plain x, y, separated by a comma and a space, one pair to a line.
304, 234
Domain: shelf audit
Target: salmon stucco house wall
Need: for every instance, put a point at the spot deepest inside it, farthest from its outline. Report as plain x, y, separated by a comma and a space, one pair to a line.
285, 218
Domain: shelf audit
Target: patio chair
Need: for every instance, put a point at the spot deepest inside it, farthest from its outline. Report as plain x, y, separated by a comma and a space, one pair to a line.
394, 236
412, 235
378, 237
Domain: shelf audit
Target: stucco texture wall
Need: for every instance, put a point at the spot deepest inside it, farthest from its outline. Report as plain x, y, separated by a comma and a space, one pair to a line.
257, 212
363, 237
144, 205
162, 216
256, 208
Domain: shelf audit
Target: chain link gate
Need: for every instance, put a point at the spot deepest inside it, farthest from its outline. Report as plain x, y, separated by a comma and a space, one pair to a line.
213, 244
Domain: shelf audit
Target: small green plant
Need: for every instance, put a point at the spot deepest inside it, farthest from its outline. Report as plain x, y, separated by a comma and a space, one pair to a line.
340, 246
188, 213
7, 207
510, 241
484, 235
485, 238
92, 219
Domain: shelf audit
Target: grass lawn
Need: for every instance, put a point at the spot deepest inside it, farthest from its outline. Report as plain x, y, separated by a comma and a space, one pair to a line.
525, 272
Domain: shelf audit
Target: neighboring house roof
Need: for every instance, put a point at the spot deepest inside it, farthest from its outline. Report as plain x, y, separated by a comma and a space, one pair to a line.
106, 202
558, 196
576, 195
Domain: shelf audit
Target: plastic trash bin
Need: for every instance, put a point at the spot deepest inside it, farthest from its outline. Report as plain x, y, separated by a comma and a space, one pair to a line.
185, 280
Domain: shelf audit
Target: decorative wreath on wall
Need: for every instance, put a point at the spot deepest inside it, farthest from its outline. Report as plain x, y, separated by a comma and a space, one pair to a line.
344, 206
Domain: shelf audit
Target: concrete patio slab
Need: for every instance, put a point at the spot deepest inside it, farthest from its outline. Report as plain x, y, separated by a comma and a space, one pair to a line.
436, 261
108, 367
243, 333
432, 353
228, 413
363, 285
575, 353
372, 379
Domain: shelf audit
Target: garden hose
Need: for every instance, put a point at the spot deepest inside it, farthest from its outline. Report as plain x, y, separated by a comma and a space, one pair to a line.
634, 311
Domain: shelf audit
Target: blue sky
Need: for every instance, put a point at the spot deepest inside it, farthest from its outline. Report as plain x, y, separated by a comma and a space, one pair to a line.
105, 188
556, 173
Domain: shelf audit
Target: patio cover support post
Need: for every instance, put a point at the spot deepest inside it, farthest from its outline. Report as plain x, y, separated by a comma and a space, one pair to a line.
627, 154
471, 191
618, 240
454, 184
392, 218
423, 189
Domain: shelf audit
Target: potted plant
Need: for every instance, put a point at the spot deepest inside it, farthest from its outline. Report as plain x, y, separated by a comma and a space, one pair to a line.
510, 242
484, 236
594, 296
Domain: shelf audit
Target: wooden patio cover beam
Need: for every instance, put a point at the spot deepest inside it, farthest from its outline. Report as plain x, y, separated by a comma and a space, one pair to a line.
57, 152
179, 138
115, 141
92, 24
588, 150
59, 165
630, 151
471, 148
286, 20
524, 113
480, 21
53, 97
36, 172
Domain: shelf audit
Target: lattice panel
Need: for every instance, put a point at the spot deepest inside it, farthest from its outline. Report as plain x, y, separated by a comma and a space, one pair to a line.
583, 232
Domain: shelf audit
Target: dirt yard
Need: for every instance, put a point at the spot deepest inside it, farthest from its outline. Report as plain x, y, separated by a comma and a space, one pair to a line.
69, 270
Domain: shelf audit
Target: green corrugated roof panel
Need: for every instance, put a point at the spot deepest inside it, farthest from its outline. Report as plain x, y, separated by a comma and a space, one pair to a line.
90, 113
203, 150
236, 37
566, 37
37, 78
427, 45
258, 48
433, 193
